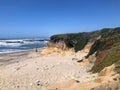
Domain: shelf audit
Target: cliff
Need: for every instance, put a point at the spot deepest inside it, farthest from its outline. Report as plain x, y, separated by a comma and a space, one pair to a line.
108, 50
102, 50
106, 42
75, 40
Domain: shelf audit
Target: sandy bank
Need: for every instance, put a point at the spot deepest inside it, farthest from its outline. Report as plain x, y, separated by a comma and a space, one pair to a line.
31, 71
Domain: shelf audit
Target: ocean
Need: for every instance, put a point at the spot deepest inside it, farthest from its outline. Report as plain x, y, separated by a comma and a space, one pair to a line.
17, 45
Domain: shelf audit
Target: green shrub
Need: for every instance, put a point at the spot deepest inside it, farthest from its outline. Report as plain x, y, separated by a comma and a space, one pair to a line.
80, 44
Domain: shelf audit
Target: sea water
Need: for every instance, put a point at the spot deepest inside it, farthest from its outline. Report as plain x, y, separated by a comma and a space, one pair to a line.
16, 45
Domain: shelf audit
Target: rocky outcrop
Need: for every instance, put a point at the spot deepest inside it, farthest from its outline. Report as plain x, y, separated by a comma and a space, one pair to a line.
61, 45
53, 50
58, 47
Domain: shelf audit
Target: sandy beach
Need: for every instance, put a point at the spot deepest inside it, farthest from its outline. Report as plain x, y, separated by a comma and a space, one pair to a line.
29, 70
59, 44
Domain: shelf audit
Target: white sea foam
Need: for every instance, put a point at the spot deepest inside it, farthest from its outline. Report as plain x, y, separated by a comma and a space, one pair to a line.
17, 43
4, 44
7, 46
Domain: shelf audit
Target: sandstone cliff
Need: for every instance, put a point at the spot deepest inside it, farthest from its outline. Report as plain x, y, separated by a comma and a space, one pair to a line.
105, 42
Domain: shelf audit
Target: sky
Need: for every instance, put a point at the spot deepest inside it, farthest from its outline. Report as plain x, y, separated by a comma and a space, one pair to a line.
43, 18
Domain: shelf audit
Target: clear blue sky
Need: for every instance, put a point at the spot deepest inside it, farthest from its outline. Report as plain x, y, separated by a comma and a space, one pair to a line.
33, 18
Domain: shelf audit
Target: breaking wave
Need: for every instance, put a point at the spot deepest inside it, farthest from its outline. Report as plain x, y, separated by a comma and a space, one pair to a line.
21, 44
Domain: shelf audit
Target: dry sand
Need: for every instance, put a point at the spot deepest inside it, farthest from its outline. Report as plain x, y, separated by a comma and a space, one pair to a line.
31, 71
106, 80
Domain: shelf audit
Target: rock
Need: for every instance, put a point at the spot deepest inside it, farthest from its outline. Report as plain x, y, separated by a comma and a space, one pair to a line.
38, 83
80, 60
18, 68
18, 86
77, 81
37, 68
84, 62
74, 59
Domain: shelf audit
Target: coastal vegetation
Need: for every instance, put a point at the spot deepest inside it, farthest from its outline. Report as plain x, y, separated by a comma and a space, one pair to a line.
107, 46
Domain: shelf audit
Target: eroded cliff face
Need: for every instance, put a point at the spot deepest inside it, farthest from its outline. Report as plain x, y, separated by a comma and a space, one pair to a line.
67, 44
77, 40
59, 48
61, 45
105, 42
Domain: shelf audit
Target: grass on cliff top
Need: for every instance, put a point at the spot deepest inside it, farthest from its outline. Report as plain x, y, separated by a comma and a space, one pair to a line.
80, 44
113, 56
62, 36
117, 68
76, 40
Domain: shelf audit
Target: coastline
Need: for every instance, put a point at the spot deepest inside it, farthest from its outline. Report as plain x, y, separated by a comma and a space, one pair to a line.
28, 70
18, 45
15, 57
56, 69
20, 51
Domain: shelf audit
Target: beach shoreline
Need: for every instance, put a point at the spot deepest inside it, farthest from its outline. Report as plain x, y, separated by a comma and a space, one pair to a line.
12, 57
28, 70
